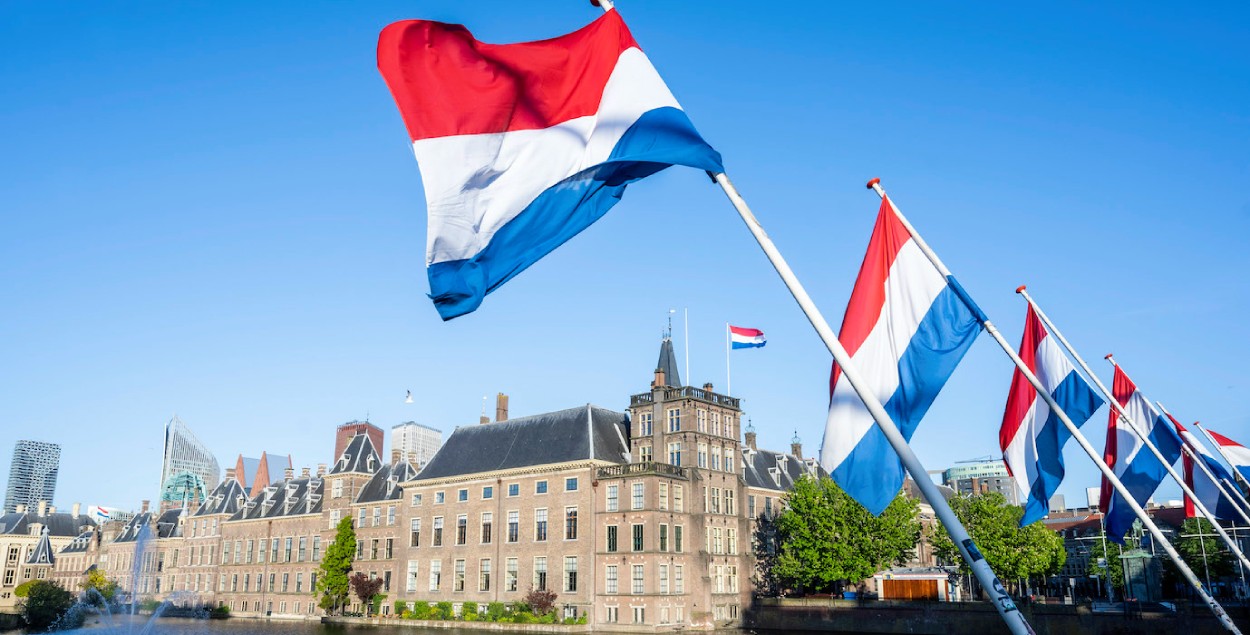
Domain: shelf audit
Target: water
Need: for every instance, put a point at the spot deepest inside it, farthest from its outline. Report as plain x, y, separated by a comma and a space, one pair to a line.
179, 626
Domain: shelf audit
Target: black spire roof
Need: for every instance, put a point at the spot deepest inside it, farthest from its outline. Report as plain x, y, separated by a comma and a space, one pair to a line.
668, 364
359, 457
42, 555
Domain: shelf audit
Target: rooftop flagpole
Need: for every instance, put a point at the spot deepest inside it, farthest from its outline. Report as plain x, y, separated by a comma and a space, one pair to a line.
1225, 620
1134, 427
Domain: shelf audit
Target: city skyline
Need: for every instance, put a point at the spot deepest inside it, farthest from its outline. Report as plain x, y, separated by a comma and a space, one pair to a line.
32, 474
210, 216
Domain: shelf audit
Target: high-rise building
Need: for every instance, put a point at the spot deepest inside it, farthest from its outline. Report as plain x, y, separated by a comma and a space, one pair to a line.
189, 469
415, 441
346, 432
32, 475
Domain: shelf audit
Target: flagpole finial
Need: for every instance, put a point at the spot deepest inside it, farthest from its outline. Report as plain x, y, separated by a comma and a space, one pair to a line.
1108, 356
1020, 289
876, 180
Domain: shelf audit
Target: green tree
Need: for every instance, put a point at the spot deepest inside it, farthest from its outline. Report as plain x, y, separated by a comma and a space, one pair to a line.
45, 603
1104, 558
1013, 552
336, 564
826, 539
1196, 538
100, 583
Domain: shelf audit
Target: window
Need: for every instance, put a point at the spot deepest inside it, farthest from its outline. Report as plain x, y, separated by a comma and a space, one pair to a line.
440, 498
540, 525
303, 549
540, 487
462, 528
702, 456
612, 614
416, 500
570, 523
334, 518
286, 550
637, 500
611, 538
414, 533
390, 516
299, 583
716, 458
644, 424
390, 549
540, 573
613, 497
316, 549
436, 574
514, 526
674, 419
678, 504
273, 578
514, 489
638, 579
637, 529
644, 454
373, 549
731, 575
570, 484
377, 516
462, 495
510, 575
701, 415
677, 531
286, 582
640, 614
438, 531
570, 574
663, 502
751, 506
715, 501
458, 582
731, 541
729, 502
488, 492
664, 578
611, 586
679, 585
483, 574
488, 521
715, 423
674, 454
729, 461
718, 540
663, 537
336, 488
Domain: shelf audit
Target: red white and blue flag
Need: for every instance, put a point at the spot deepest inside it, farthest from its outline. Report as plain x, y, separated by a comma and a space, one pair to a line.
1134, 464
522, 146
1204, 488
1238, 455
742, 337
1032, 436
906, 328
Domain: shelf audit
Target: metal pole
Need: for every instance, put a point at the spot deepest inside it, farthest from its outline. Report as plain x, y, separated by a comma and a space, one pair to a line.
685, 338
1132, 425
1196, 457
1218, 448
729, 385
875, 185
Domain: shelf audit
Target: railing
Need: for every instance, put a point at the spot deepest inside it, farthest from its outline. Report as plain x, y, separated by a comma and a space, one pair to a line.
639, 469
685, 391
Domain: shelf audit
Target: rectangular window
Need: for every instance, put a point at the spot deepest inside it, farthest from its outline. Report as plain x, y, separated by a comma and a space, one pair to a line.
570, 484
540, 573
458, 583
636, 501
751, 506
390, 516
540, 487
247, 582
613, 497
716, 458
273, 578
612, 614
273, 546
514, 526
674, 454
438, 531
462, 495
436, 574
677, 531
729, 461
731, 541
416, 500
390, 548
663, 537
679, 585
303, 549
514, 489
462, 528
286, 582
701, 415
570, 523
715, 423
248, 555
334, 518
488, 492
299, 583
373, 549
663, 502
640, 615
644, 454
730, 507
414, 533
488, 522
679, 504
674, 419
611, 586
570, 574
286, 549
540, 525
637, 529
718, 540
377, 516
611, 538
440, 498
316, 549
702, 456
664, 578
483, 574
638, 580
715, 509
336, 488
644, 424
410, 582
510, 575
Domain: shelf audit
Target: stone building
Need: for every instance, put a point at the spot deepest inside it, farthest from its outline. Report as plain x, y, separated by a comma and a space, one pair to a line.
30, 540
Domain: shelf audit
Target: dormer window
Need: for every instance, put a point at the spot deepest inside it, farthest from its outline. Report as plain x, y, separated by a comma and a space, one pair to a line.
344, 461
369, 463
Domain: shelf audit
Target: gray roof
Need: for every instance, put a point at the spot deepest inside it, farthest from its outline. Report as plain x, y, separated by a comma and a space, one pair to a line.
668, 364
226, 498
774, 470
581, 433
42, 553
166, 526
58, 523
360, 457
80, 543
287, 498
384, 486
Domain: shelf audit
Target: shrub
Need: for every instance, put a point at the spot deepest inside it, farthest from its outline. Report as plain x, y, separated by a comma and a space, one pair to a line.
421, 611
219, 613
468, 611
541, 602
520, 607
444, 611
45, 603
547, 618
496, 611
524, 617
149, 604
401, 607
581, 619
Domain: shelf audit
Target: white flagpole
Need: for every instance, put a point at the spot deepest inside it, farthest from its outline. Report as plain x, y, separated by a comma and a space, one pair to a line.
1224, 455
1226, 621
686, 340
1133, 425
1229, 492
729, 386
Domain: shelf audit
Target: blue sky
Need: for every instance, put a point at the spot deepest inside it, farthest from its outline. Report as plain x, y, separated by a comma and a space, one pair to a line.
211, 209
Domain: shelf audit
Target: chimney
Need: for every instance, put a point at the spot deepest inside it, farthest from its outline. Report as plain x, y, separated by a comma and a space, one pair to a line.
796, 445
395, 456
708, 387
77, 508
321, 470
501, 407
43, 508
288, 473
484, 419
304, 472
749, 436
51, 509
659, 378
143, 509
230, 474
21, 509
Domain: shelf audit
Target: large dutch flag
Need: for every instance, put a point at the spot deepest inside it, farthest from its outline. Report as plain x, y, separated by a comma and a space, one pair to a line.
522, 146
1032, 436
1238, 455
1134, 464
906, 328
1205, 490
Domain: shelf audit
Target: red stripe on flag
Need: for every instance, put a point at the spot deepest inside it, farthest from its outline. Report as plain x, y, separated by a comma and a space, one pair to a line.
1189, 482
745, 332
1022, 394
1121, 388
868, 298
1223, 440
447, 83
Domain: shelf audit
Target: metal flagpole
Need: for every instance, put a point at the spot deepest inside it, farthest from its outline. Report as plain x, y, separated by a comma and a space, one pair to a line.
1235, 496
729, 386
685, 338
1218, 448
875, 185
1133, 425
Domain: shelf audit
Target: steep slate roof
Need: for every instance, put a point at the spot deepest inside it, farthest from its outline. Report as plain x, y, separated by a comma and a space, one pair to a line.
360, 457
668, 364
58, 523
42, 553
776, 471
288, 498
80, 543
581, 433
166, 526
224, 499
384, 486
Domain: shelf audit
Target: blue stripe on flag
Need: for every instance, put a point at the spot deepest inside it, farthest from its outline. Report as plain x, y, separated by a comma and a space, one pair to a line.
1142, 477
1079, 402
660, 138
747, 344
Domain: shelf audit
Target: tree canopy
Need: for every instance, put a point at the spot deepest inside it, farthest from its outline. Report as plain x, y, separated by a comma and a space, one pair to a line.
1197, 538
100, 583
336, 564
1012, 551
45, 603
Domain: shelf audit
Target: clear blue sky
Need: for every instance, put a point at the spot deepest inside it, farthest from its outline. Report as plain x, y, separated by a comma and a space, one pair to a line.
212, 209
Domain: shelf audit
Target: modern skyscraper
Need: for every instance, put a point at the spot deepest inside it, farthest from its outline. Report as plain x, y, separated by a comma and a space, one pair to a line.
415, 441
189, 470
32, 475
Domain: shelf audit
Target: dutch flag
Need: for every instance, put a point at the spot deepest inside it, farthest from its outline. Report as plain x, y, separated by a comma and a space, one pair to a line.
906, 328
522, 146
1206, 490
742, 337
1238, 455
1032, 436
